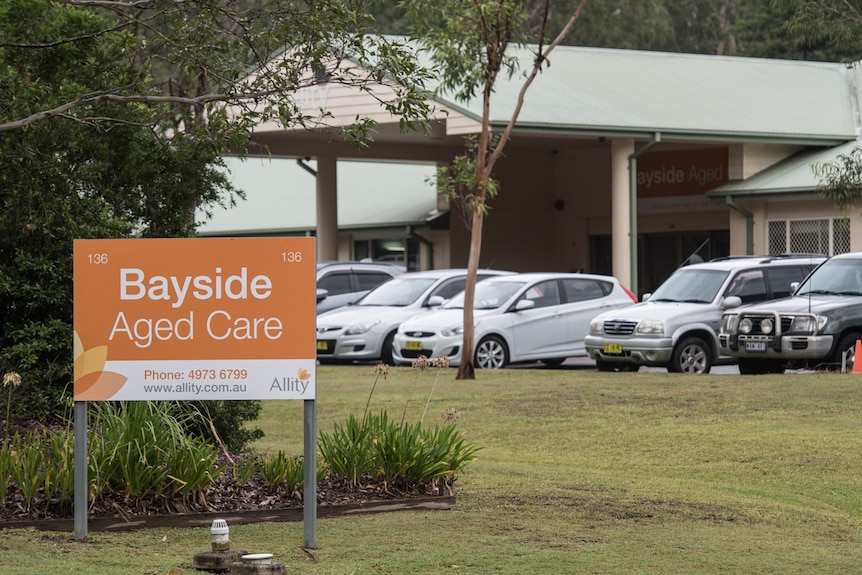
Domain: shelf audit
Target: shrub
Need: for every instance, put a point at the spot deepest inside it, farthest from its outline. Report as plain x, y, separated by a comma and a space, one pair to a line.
403, 455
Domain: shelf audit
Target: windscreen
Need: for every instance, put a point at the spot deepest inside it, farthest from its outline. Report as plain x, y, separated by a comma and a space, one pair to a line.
398, 292
488, 295
690, 286
834, 277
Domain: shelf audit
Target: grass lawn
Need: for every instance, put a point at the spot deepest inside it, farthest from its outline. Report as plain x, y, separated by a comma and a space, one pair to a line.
579, 472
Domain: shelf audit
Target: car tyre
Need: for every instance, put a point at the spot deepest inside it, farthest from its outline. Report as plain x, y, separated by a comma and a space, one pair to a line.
691, 355
491, 353
848, 344
386, 350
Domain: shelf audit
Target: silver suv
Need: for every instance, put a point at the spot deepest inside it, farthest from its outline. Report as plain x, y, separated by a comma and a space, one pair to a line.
677, 326
342, 283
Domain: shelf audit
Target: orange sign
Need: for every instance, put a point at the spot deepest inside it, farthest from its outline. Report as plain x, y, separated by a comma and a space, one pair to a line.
182, 319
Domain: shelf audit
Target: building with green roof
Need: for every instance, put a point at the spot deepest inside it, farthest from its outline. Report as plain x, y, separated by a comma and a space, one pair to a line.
721, 149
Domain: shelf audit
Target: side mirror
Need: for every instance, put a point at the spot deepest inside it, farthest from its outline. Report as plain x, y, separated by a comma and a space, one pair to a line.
321, 294
646, 296
525, 304
794, 286
731, 301
435, 301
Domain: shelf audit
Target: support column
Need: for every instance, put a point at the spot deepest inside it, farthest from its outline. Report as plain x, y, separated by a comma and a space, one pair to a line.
327, 209
621, 242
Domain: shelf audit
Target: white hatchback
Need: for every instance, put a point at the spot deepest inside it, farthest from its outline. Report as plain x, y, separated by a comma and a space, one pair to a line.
363, 331
522, 317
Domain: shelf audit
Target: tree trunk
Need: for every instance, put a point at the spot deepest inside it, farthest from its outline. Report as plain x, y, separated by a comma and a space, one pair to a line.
466, 369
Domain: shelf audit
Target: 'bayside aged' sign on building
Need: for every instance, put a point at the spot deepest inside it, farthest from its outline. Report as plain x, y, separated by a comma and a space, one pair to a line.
194, 319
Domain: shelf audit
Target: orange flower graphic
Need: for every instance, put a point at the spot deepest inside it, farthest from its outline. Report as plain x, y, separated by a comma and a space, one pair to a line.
92, 382
303, 373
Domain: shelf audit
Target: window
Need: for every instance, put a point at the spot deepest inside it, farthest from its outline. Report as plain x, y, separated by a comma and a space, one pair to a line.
583, 289
370, 280
828, 236
451, 288
335, 283
749, 285
781, 278
545, 294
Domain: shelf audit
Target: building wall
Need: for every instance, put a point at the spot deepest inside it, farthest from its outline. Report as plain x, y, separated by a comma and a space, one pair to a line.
764, 211
515, 232
563, 199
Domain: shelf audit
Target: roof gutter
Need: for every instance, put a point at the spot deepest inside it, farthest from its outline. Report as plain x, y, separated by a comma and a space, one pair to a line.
633, 209
749, 223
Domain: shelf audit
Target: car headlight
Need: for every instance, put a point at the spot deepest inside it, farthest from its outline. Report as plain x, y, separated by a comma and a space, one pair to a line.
729, 323
807, 324
596, 325
745, 326
650, 327
766, 326
458, 330
360, 328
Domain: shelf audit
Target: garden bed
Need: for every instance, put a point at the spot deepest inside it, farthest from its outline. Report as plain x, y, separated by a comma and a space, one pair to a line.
249, 503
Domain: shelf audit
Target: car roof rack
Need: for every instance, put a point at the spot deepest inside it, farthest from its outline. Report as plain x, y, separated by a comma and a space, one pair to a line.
769, 257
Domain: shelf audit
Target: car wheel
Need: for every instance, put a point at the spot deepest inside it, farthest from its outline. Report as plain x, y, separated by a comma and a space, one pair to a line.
491, 353
619, 366
691, 355
386, 350
846, 344
554, 362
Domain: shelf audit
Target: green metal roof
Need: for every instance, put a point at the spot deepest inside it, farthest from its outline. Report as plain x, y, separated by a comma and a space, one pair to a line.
793, 176
280, 197
685, 96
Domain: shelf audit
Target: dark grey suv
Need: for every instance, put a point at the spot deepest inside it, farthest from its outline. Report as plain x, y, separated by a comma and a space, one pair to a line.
342, 283
817, 326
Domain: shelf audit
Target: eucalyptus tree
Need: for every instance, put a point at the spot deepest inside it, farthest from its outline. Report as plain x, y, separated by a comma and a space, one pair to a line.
469, 41
836, 24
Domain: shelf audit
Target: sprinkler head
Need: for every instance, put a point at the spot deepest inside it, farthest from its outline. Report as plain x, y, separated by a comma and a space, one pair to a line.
219, 531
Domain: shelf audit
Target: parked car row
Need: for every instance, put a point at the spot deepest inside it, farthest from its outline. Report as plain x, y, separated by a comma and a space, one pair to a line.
365, 329
765, 312
518, 317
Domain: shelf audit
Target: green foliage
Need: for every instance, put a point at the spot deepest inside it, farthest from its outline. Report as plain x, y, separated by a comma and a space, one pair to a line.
142, 449
7, 460
283, 474
825, 29
403, 455
114, 123
463, 39
458, 182
66, 178
227, 418
60, 457
29, 471
841, 180
349, 450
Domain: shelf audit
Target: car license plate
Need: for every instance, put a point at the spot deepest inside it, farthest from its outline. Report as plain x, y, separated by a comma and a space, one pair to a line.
755, 346
322, 345
413, 345
615, 348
